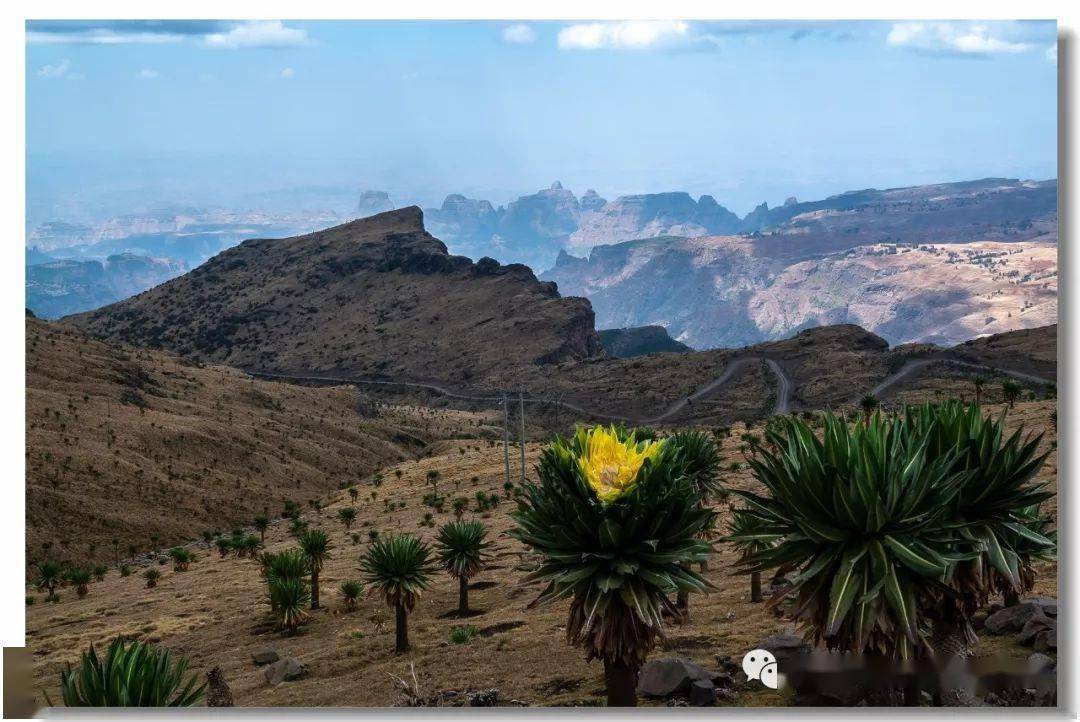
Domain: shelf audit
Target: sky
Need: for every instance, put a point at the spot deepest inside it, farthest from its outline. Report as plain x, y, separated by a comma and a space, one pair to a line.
122, 116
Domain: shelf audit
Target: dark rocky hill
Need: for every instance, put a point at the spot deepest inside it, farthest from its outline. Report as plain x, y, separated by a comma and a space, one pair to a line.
374, 297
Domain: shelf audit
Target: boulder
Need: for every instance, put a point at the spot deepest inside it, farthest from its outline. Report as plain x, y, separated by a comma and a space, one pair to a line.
665, 677
1037, 624
1012, 619
264, 655
702, 693
784, 645
1046, 641
286, 670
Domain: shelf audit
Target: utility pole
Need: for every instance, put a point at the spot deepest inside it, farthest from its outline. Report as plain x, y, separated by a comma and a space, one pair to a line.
506, 434
521, 400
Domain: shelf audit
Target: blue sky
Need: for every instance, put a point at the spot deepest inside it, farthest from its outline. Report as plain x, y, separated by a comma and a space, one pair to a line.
128, 115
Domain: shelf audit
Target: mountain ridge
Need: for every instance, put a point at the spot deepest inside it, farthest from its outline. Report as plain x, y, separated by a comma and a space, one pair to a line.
373, 296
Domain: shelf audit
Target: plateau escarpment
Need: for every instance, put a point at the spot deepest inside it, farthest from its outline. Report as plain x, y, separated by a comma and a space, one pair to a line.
727, 291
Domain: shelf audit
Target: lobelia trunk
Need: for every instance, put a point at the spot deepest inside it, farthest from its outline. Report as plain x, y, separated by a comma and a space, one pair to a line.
314, 589
755, 587
682, 600
401, 635
1011, 598
463, 596
621, 681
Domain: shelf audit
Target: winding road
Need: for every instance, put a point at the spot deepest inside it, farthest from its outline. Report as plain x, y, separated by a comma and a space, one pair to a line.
784, 386
917, 364
783, 393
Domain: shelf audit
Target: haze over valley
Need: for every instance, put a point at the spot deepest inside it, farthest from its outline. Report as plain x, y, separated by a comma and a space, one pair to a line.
468, 363
938, 264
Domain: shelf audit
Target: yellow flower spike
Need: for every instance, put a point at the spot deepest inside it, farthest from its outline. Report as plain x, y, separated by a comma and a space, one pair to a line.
610, 466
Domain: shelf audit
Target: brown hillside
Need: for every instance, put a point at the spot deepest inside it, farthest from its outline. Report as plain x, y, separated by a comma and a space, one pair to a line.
125, 443
378, 296
1030, 350
216, 613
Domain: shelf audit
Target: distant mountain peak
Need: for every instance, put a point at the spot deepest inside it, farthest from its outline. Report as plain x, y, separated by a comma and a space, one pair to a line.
372, 202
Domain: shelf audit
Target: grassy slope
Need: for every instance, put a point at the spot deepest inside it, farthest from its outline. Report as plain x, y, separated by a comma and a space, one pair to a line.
216, 612
124, 443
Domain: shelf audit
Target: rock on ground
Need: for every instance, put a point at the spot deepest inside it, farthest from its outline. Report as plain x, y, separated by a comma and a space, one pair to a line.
264, 655
665, 677
286, 670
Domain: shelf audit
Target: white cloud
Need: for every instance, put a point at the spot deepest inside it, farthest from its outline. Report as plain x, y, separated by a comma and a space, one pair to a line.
147, 74
288, 74
626, 35
57, 70
101, 37
519, 33
962, 38
259, 34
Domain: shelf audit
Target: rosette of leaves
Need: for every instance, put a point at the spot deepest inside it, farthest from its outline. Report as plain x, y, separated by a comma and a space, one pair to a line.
864, 515
135, 675
616, 521
399, 568
289, 599
997, 506
749, 534
462, 550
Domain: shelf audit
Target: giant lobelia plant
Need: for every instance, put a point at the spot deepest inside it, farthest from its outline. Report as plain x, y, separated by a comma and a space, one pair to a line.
615, 520
898, 530
864, 517
997, 508
129, 675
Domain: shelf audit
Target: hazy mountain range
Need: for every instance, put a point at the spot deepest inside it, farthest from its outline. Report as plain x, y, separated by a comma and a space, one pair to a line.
940, 263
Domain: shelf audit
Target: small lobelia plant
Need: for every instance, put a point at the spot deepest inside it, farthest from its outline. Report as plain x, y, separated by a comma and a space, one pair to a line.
869, 404
1010, 391
151, 575
617, 522
289, 599
262, 523
347, 516
350, 591
749, 534
399, 567
250, 545
130, 675
100, 571
181, 559
315, 543
80, 579
48, 576
463, 635
461, 547
286, 574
